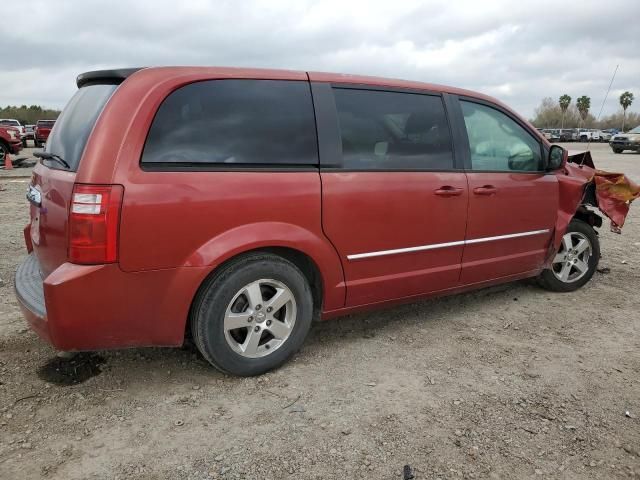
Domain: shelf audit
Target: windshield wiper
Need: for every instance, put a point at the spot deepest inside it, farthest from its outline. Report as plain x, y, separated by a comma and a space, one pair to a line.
52, 156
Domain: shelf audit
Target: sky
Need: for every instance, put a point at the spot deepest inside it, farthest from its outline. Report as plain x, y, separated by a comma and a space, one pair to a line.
518, 51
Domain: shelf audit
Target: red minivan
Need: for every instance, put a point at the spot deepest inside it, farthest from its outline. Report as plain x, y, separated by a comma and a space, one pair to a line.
238, 205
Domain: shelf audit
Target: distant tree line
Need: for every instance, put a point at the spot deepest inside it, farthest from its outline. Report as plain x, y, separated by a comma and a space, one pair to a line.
565, 114
28, 115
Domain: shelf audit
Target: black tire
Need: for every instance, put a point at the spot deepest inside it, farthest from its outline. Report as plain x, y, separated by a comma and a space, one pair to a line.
4, 150
548, 279
215, 296
617, 150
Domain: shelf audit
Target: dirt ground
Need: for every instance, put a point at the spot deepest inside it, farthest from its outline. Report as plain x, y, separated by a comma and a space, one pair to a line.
508, 382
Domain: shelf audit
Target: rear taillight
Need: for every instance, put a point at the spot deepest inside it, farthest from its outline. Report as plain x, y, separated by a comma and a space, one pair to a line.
94, 218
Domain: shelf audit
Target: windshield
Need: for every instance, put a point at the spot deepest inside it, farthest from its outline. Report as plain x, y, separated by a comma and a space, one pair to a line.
73, 127
635, 130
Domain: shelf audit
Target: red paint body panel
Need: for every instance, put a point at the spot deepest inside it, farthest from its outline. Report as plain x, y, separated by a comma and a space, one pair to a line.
439, 293
572, 180
221, 214
522, 202
49, 224
370, 211
92, 307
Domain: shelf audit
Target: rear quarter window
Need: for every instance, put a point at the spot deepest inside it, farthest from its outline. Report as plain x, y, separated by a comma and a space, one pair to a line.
234, 123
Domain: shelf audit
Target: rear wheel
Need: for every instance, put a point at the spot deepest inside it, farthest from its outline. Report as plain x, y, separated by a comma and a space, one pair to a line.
253, 315
576, 260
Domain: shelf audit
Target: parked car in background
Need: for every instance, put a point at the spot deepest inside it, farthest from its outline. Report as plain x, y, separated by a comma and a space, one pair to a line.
626, 141
553, 134
241, 204
10, 142
11, 122
29, 134
42, 131
605, 136
545, 133
590, 135
568, 134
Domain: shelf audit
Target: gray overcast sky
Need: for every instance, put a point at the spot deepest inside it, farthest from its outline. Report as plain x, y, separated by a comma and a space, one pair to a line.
517, 51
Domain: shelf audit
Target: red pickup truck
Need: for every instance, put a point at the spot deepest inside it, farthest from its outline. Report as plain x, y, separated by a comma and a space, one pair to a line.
10, 142
43, 128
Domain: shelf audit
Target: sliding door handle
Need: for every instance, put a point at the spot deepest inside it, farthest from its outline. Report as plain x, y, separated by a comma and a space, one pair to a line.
485, 190
449, 191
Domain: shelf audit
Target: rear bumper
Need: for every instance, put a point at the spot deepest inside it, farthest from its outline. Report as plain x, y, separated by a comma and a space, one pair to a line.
30, 295
95, 307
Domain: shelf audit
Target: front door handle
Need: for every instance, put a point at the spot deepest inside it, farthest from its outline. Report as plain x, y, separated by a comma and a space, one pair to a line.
485, 190
449, 191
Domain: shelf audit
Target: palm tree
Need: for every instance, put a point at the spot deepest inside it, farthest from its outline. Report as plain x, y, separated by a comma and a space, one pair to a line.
565, 101
584, 104
626, 99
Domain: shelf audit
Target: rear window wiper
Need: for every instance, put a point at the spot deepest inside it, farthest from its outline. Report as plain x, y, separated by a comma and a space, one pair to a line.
52, 156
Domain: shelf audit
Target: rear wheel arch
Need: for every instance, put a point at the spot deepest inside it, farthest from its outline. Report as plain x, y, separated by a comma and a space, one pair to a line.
294, 242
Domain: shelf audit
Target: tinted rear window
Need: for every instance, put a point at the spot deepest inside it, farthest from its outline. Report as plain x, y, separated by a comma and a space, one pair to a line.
234, 123
393, 131
46, 123
71, 131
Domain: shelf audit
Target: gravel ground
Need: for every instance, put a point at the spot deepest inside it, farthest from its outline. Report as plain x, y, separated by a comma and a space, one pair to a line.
507, 382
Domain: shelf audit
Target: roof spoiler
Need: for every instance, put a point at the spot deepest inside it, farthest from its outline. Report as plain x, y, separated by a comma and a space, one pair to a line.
113, 77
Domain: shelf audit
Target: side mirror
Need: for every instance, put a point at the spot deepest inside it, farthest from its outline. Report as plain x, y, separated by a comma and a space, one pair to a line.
557, 157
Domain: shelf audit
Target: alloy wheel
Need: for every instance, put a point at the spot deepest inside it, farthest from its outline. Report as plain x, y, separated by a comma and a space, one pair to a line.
571, 263
260, 318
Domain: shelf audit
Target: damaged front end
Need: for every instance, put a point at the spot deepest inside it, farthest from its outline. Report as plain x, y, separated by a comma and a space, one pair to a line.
585, 191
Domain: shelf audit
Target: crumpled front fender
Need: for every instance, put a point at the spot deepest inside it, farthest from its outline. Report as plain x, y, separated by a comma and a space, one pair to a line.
581, 184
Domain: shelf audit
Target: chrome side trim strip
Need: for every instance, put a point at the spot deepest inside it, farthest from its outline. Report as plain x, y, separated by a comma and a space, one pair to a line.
404, 250
503, 237
434, 246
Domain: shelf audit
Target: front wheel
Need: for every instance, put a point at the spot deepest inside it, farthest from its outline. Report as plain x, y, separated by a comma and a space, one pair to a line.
617, 150
252, 315
4, 151
576, 260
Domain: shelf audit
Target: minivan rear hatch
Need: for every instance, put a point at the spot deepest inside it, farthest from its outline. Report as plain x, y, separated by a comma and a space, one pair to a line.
53, 178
